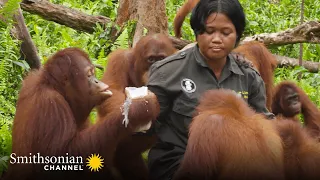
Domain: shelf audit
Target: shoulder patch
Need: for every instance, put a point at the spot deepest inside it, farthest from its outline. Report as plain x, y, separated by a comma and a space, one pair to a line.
255, 70
174, 57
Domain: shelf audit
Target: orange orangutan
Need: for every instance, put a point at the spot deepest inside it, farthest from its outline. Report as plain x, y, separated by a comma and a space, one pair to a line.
129, 68
52, 114
229, 140
181, 14
289, 100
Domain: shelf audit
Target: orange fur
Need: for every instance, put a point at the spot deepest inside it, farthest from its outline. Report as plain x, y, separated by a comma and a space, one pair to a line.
301, 151
185, 9
228, 140
263, 61
129, 68
52, 118
309, 110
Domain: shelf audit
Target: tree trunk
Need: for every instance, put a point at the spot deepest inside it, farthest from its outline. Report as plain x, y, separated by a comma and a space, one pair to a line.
28, 49
149, 14
20, 31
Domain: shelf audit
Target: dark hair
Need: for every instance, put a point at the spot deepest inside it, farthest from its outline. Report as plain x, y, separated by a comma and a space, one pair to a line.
230, 8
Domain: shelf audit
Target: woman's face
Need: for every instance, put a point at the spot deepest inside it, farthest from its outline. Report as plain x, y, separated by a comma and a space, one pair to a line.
219, 38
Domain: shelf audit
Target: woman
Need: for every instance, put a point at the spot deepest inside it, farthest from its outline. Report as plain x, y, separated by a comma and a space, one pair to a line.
179, 80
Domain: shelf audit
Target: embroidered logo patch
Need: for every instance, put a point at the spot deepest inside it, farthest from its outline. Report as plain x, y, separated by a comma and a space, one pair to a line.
188, 85
243, 94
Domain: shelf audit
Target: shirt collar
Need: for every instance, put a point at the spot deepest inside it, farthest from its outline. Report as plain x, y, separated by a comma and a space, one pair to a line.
199, 58
231, 64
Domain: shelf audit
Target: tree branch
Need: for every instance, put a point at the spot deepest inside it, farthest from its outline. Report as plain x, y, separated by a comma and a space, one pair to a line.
28, 49
287, 61
63, 15
308, 32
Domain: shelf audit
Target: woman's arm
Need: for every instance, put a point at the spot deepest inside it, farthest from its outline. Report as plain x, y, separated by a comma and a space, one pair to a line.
257, 97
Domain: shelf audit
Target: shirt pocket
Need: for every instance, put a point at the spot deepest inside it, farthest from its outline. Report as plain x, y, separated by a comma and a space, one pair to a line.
185, 110
185, 107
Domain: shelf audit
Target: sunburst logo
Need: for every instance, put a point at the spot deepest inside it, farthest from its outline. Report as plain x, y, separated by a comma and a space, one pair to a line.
95, 162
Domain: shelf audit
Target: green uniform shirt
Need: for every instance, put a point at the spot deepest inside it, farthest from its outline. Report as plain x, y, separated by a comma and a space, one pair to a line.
178, 82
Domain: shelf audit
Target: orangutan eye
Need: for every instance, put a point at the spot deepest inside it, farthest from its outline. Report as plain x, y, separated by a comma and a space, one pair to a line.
90, 72
153, 59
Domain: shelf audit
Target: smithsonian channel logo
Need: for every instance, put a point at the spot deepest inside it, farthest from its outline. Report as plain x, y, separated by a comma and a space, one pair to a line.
60, 163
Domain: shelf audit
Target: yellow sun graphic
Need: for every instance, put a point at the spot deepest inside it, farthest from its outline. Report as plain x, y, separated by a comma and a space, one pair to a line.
94, 162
